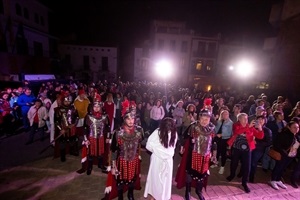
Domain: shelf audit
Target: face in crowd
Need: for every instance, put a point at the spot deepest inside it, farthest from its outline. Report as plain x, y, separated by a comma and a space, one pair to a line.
204, 120
129, 121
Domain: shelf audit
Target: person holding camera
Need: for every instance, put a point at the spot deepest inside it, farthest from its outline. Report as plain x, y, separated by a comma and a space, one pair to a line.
242, 143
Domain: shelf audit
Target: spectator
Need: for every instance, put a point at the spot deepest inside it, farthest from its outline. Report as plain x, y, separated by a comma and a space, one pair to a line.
296, 171
223, 130
6, 119
156, 115
260, 146
242, 143
237, 108
37, 116
25, 101
286, 144
178, 114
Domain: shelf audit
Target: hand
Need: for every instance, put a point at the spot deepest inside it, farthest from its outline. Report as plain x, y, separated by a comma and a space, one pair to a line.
62, 132
252, 123
214, 160
87, 143
181, 150
107, 141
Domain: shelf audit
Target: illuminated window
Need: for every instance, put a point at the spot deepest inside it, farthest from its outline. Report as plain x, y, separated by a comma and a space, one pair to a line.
199, 65
209, 65
208, 88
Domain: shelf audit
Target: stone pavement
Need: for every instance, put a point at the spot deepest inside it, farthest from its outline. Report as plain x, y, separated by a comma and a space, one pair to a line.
47, 178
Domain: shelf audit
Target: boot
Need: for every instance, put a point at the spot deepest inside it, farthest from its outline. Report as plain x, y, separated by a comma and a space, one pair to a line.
101, 166
199, 187
83, 168
63, 155
90, 167
187, 191
120, 194
130, 193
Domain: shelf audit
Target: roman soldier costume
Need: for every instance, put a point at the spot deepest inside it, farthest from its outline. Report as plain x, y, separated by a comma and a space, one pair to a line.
96, 131
194, 166
65, 119
125, 159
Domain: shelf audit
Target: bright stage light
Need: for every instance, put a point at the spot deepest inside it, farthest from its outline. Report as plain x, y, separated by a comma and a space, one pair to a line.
231, 67
163, 68
244, 69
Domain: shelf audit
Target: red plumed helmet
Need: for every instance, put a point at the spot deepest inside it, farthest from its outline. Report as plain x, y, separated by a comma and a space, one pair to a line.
125, 107
207, 101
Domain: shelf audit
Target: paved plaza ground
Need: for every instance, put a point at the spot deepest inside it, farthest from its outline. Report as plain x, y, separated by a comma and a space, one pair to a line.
26, 174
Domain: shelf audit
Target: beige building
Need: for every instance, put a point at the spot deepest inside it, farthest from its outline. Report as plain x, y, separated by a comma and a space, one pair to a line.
89, 62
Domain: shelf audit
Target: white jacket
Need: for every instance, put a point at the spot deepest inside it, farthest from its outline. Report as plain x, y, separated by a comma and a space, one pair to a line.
42, 113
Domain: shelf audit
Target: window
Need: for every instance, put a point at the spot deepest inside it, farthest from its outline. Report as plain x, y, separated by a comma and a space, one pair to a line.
173, 45
36, 18
42, 21
201, 48
22, 46
86, 62
161, 29
104, 63
1, 7
212, 48
184, 46
160, 44
182, 63
26, 13
199, 65
38, 49
209, 66
18, 10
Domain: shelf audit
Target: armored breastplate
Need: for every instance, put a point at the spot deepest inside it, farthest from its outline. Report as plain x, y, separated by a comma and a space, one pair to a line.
96, 126
129, 144
68, 117
202, 139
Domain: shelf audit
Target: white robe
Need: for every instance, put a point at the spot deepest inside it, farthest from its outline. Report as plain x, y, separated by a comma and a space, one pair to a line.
159, 179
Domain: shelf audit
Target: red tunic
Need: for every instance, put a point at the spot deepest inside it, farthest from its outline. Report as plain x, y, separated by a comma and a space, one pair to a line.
109, 108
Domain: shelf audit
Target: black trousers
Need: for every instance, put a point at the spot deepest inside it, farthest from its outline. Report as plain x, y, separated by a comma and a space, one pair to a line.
222, 150
245, 158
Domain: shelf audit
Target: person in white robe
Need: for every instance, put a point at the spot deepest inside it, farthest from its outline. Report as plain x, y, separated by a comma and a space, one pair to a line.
162, 144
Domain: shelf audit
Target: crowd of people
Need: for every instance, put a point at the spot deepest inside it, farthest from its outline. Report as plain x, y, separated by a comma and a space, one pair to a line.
114, 120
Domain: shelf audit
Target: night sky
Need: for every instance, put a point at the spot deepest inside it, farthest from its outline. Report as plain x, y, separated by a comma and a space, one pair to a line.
123, 21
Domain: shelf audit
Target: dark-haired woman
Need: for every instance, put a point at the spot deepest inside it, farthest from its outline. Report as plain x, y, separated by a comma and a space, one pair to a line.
286, 144
161, 143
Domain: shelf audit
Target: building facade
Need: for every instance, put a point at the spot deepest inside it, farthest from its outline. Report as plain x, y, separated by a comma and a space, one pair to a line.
25, 43
192, 57
89, 62
285, 46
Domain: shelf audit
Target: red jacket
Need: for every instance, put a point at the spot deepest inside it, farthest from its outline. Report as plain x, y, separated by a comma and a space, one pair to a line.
250, 132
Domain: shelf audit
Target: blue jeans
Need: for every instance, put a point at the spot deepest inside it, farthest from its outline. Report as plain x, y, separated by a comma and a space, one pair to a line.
256, 155
267, 161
